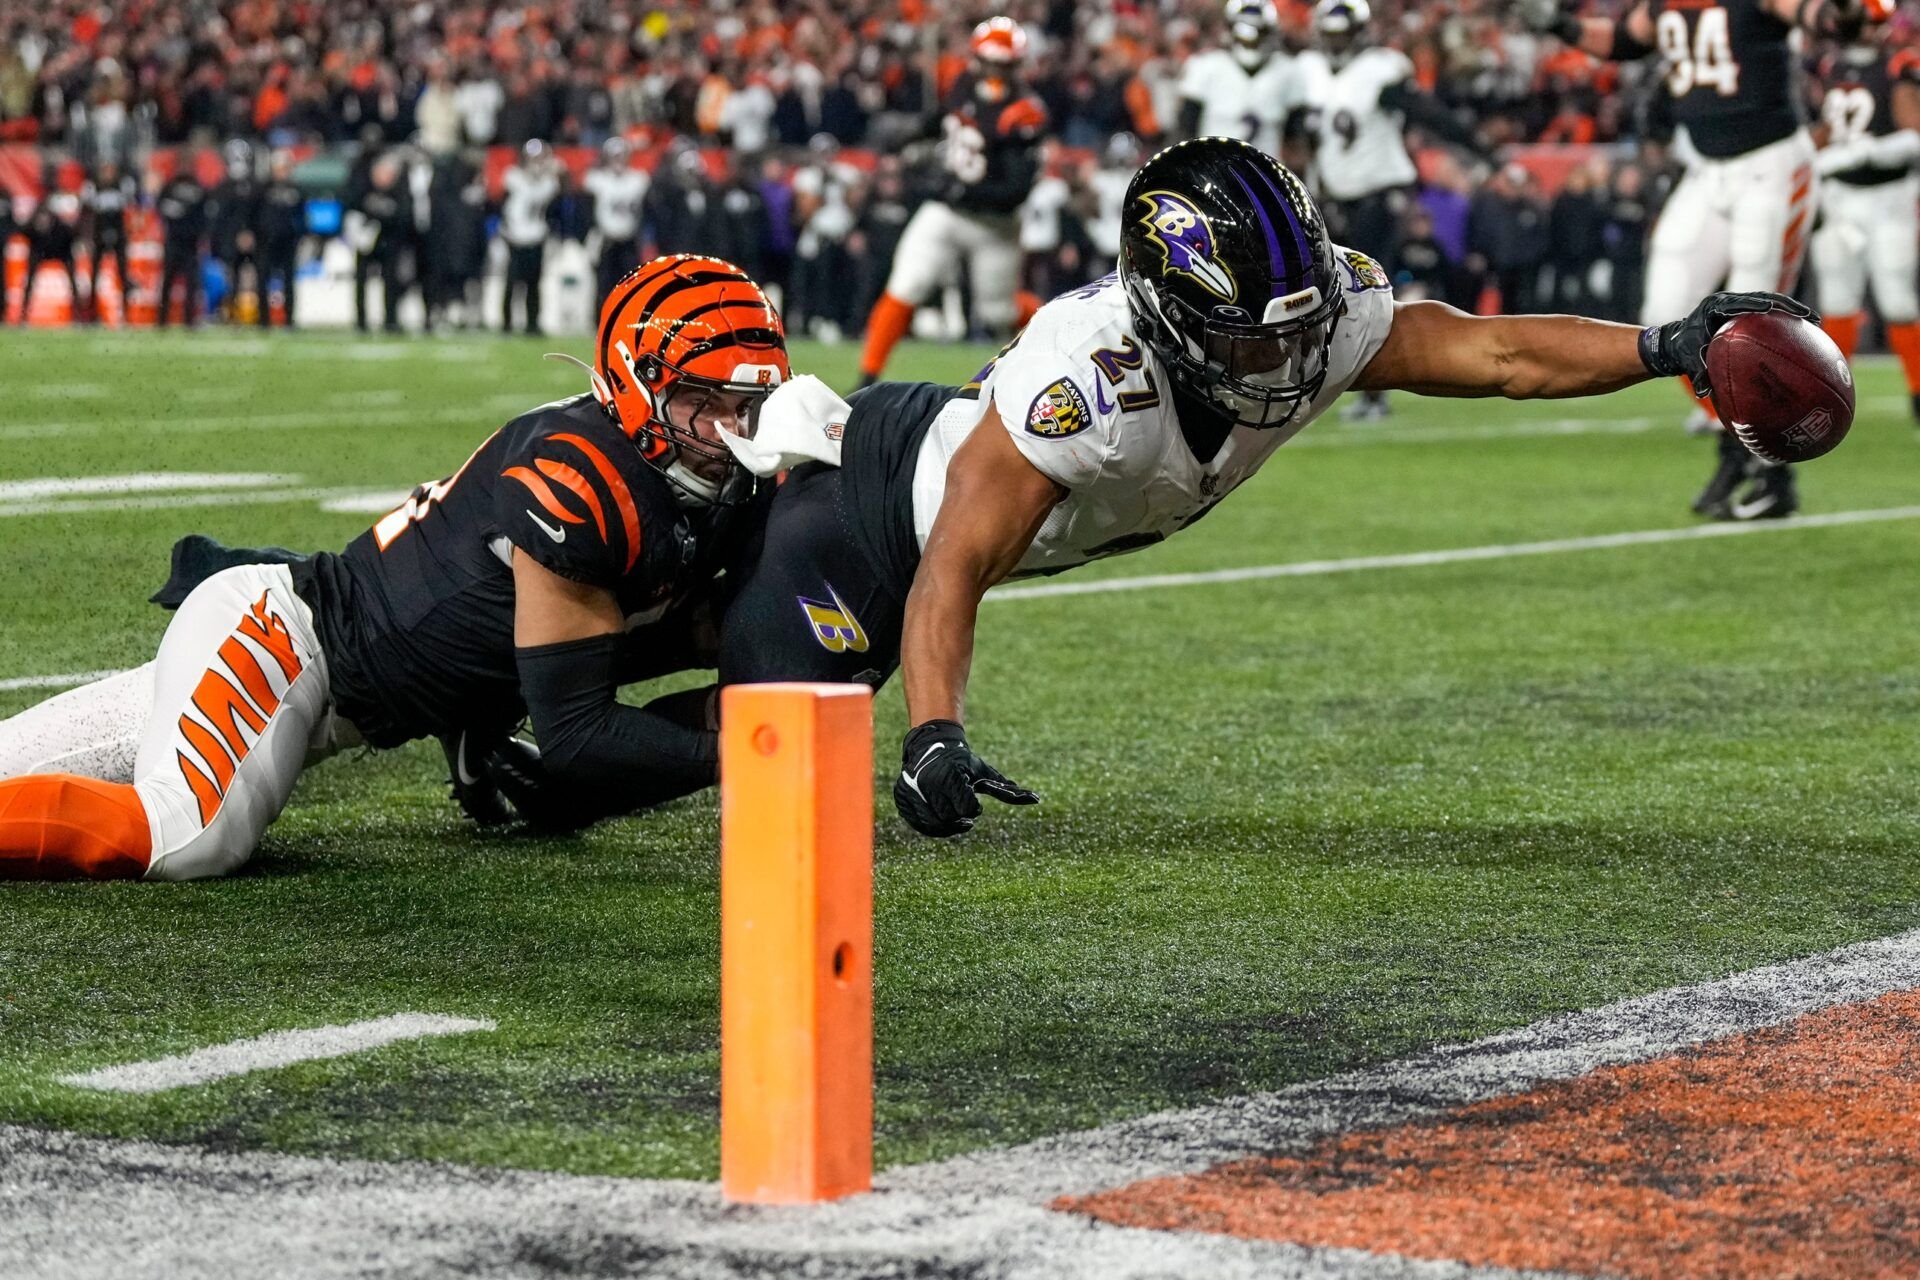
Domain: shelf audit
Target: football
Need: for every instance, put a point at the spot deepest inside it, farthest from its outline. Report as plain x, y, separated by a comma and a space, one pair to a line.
1781, 386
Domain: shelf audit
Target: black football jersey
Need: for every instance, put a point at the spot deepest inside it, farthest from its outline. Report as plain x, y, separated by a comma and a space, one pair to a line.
1729, 72
992, 148
1858, 103
416, 615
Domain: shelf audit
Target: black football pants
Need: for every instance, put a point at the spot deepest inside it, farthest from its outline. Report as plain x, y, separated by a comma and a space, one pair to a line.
811, 605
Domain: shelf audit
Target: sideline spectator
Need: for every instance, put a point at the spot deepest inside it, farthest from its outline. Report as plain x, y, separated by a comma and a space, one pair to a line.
108, 196
182, 206
531, 186
280, 224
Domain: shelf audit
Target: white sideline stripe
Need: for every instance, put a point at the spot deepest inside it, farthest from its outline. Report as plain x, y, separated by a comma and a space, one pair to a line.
174, 501
482, 414
139, 482
1458, 555
181, 1209
64, 680
274, 1049
1397, 433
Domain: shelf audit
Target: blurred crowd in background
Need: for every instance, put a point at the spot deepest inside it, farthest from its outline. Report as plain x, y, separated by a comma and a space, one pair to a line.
775, 131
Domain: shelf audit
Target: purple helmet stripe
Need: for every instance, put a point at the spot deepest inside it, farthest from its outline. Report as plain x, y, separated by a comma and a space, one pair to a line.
1302, 243
1276, 262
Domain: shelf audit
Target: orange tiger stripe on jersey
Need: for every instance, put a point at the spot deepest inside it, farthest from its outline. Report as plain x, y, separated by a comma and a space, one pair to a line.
220, 703
240, 661
212, 753
268, 631
573, 480
543, 493
206, 793
1904, 63
616, 485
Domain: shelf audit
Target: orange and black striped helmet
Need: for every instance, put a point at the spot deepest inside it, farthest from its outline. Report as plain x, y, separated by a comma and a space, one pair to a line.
673, 334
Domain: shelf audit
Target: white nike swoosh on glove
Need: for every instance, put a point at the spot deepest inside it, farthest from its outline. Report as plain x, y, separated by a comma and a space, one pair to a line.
913, 779
558, 535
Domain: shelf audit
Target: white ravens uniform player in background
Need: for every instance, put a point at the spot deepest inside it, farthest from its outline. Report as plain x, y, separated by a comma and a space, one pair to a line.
1742, 215
1245, 89
1123, 414
1870, 199
1357, 98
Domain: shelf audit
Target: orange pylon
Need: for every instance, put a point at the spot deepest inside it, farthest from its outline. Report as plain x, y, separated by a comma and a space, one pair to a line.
796, 942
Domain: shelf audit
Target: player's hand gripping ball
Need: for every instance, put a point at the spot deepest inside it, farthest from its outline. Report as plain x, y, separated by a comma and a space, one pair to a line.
1781, 385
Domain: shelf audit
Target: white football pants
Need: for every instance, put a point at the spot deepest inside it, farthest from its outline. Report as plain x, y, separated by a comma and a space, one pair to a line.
937, 240
1869, 235
1739, 224
212, 734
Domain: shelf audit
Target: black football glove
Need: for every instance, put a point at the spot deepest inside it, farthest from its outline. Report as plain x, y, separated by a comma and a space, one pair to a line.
473, 790
547, 805
941, 781
1679, 348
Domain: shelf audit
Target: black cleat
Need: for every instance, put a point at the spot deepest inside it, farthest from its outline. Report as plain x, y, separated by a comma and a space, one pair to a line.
1716, 500
1772, 495
1915, 401
867, 380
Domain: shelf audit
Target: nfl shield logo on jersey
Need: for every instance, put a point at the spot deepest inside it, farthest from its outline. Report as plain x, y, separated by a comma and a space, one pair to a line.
1059, 411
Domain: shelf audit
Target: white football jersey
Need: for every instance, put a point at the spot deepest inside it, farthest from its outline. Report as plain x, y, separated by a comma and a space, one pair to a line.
619, 195
1238, 103
1089, 405
1361, 146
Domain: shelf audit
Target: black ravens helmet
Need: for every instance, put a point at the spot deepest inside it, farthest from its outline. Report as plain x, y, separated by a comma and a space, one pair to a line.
1230, 277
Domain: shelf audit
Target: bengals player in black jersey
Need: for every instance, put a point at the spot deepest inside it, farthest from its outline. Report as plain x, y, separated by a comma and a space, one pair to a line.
1741, 217
990, 152
530, 582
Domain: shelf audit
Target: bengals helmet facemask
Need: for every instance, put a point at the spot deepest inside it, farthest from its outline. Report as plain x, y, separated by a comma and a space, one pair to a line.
689, 347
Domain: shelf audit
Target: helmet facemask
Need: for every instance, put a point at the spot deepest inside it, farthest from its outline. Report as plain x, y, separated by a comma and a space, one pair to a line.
685, 435
1262, 372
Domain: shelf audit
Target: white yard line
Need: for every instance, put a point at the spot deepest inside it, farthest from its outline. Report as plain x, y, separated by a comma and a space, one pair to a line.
1457, 555
173, 501
64, 680
1412, 433
138, 482
275, 1049
484, 414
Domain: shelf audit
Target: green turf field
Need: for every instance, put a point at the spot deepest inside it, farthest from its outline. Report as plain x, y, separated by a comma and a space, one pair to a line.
1290, 826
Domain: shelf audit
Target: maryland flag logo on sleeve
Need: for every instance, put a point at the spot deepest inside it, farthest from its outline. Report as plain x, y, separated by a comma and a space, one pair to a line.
1059, 411
1366, 273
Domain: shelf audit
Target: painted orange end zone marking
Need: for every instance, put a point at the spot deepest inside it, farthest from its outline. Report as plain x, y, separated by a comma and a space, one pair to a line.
1793, 1151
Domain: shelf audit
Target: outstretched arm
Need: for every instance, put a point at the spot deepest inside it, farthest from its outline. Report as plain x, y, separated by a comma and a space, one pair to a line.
1435, 350
995, 503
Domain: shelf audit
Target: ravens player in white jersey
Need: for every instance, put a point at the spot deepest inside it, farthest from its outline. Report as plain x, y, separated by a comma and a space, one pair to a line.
1358, 98
1122, 414
1741, 216
1870, 199
1245, 89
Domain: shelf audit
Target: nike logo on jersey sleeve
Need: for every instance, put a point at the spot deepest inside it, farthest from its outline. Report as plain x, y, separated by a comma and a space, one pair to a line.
558, 535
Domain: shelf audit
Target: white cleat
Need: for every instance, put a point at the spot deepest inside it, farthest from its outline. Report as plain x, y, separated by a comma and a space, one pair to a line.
1701, 423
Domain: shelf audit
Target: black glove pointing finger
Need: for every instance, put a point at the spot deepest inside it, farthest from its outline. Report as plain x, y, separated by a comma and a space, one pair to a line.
941, 780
